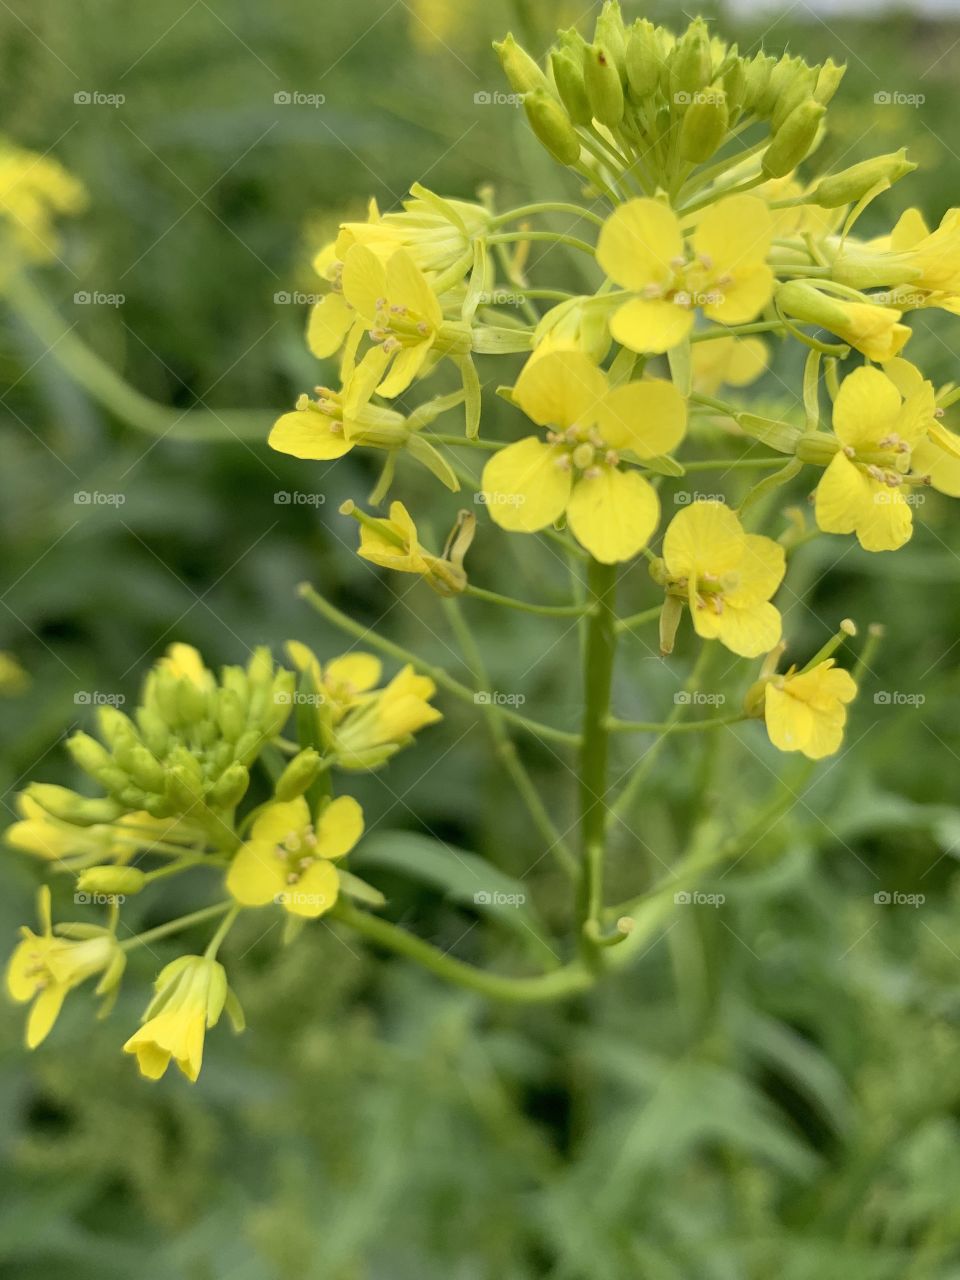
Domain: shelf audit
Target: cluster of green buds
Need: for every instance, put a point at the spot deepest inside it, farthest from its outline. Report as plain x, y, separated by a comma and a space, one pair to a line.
639, 107
187, 750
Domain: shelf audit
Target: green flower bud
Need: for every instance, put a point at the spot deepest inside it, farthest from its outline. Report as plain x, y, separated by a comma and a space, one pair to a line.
568, 73
691, 63
781, 78
799, 87
182, 789
611, 34
133, 797
111, 880
191, 702
145, 770
114, 726
88, 754
61, 802
372, 758
852, 184
230, 787
704, 125
828, 81
735, 86
231, 714
643, 60
299, 774
116, 781
249, 745
153, 731
520, 69
793, 141
553, 127
604, 86
757, 79
260, 667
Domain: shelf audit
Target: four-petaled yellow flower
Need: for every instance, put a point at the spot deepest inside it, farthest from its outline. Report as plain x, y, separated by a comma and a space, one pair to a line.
728, 362
38, 832
385, 720
437, 233
45, 968
394, 543
805, 711
342, 682
529, 485
289, 859
723, 272
863, 490
191, 993
726, 575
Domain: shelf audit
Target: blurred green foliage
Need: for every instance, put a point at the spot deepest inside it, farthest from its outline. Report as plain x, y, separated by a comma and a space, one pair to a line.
772, 1090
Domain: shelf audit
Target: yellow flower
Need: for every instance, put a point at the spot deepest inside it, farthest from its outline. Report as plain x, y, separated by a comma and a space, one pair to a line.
395, 544
723, 273
341, 683
805, 711
437, 233
863, 490
191, 993
289, 861
385, 720
872, 329
573, 325
33, 190
530, 484
726, 575
923, 266
45, 968
727, 362
40, 833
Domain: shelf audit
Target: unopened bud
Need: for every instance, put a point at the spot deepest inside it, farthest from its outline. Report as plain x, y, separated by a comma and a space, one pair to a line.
828, 81
756, 80
691, 62
643, 59
612, 35
299, 774
61, 802
568, 74
111, 880
604, 86
230, 787
520, 69
553, 127
793, 140
854, 183
88, 754
704, 125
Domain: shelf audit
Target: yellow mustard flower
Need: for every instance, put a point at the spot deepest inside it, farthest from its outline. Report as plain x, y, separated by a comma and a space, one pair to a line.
722, 273
191, 993
864, 490
530, 484
289, 860
870, 327
728, 362
385, 720
38, 832
437, 233
394, 543
806, 710
936, 456
727, 577
342, 682
45, 968
923, 266
33, 190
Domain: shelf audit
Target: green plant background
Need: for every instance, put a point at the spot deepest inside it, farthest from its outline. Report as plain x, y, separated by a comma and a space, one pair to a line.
772, 1090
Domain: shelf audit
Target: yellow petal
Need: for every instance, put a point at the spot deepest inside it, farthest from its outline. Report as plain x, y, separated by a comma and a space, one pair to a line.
706, 537
866, 408
363, 381
734, 234
257, 874
886, 521
928, 459
842, 494
305, 433
560, 389
741, 299
278, 820
45, 1011
358, 671
328, 324
152, 1061
638, 242
339, 828
407, 287
364, 281
909, 231
649, 417
651, 325
524, 488
406, 365
789, 720
613, 514
22, 980
314, 893
760, 571
749, 631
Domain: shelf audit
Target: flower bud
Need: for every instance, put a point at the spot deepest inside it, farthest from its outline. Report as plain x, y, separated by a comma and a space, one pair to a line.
704, 125
111, 880
230, 787
604, 86
88, 754
691, 63
61, 802
145, 771
552, 125
114, 726
757, 77
735, 86
670, 616
644, 63
568, 74
520, 69
801, 81
299, 774
231, 714
793, 140
853, 184
828, 81
612, 35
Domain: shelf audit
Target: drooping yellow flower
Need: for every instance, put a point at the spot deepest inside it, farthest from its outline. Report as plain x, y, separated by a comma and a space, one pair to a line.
394, 543
923, 266
45, 968
611, 511
726, 576
385, 720
727, 362
863, 490
806, 710
39, 833
873, 329
722, 272
34, 189
289, 860
437, 233
191, 993
342, 682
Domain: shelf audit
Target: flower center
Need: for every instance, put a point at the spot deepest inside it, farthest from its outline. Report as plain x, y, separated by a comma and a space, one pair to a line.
296, 850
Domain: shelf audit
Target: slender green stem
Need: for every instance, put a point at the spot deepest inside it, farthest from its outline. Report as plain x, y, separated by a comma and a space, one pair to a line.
671, 726
226, 924
437, 674
599, 655
109, 389
555, 985
531, 210
637, 619
734, 464
461, 442
176, 926
555, 237
738, 330
546, 610
505, 749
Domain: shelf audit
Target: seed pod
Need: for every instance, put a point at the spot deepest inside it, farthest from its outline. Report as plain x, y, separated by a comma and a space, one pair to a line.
553, 127
793, 141
604, 86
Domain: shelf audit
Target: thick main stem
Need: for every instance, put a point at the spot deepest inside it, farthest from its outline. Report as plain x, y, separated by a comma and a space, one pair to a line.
599, 653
